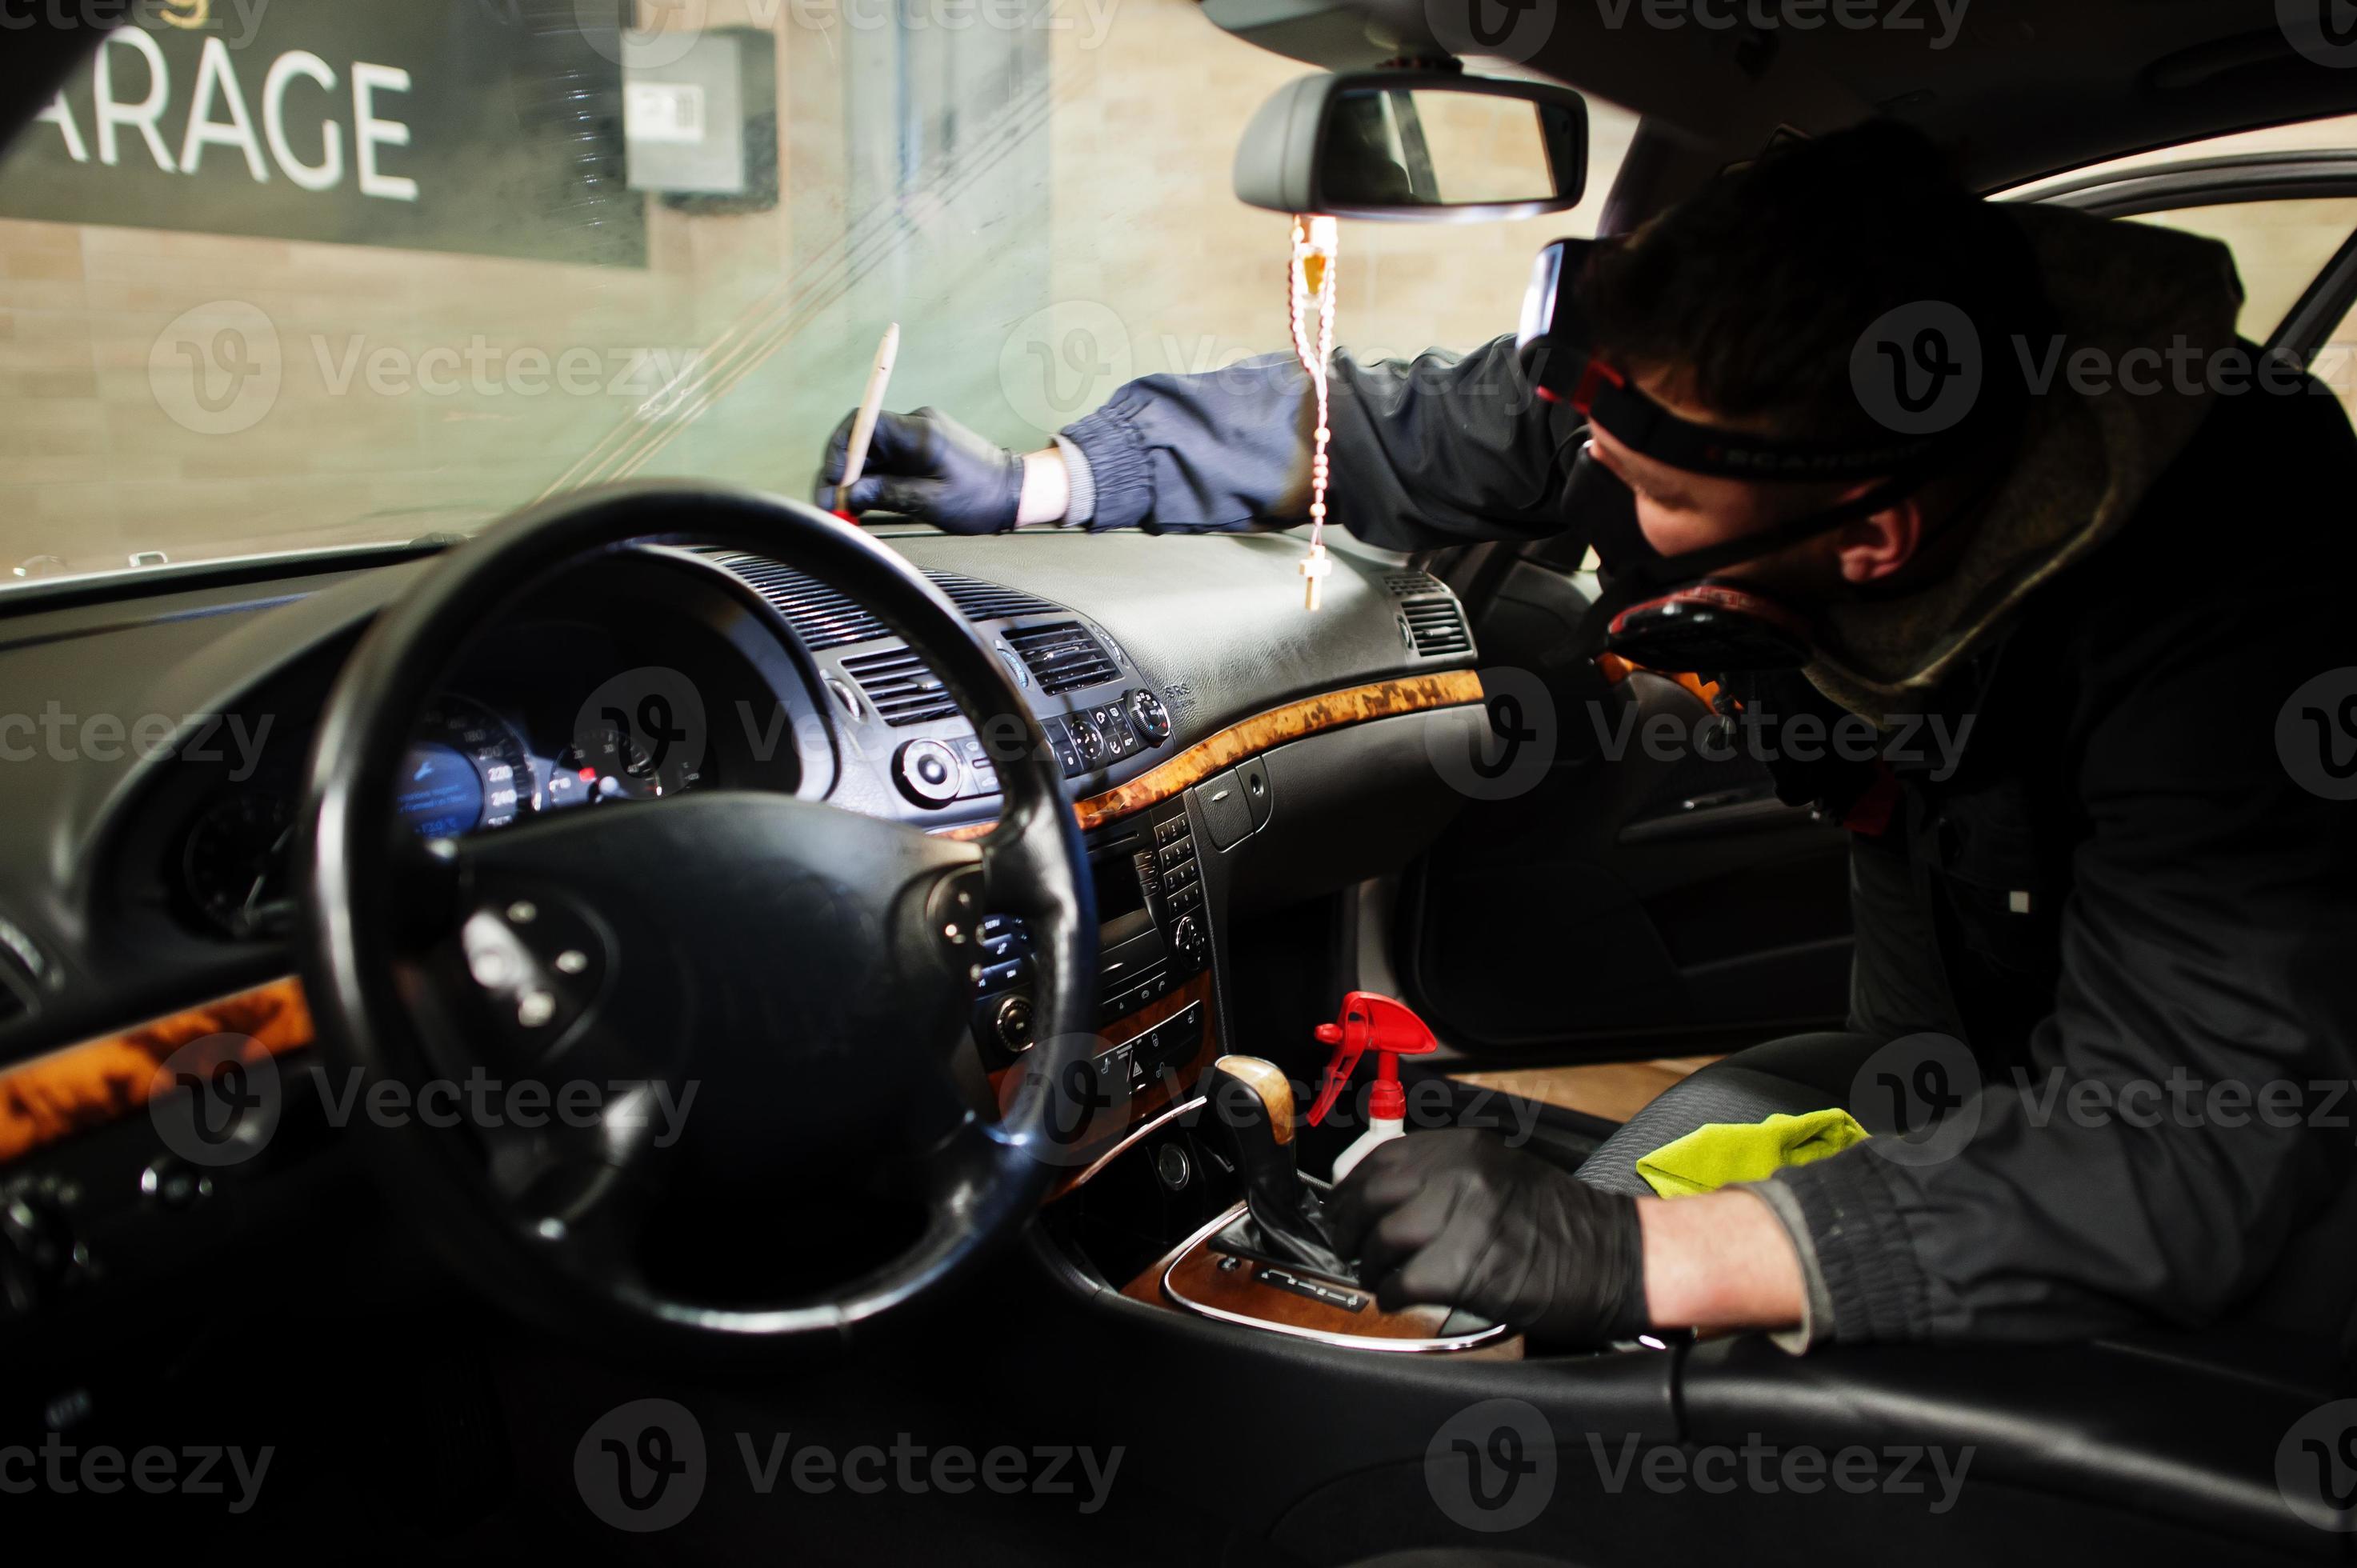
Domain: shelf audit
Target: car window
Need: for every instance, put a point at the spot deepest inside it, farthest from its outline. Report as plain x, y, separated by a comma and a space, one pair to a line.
2333, 133
306, 275
2280, 246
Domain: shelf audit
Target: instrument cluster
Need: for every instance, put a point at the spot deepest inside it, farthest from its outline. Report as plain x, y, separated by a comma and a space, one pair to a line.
632, 681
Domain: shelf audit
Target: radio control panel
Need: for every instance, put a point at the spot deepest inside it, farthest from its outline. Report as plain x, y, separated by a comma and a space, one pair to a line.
1154, 936
937, 771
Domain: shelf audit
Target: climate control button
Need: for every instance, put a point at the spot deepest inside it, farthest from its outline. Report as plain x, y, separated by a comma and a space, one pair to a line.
1152, 719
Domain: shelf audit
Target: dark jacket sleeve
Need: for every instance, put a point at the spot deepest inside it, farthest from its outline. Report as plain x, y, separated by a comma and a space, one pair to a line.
2204, 1018
1441, 449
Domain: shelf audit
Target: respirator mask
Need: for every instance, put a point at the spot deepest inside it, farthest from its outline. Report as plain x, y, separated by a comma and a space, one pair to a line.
1673, 612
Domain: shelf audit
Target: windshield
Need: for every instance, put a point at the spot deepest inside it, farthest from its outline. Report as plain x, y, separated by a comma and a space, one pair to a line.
281, 274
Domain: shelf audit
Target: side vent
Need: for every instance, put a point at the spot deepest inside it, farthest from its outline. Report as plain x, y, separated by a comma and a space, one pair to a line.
1063, 656
1410, 584
898, 686
1437, 625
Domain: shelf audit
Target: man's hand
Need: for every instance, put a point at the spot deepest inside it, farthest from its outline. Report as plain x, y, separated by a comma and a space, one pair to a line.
930, 467
1457, 1218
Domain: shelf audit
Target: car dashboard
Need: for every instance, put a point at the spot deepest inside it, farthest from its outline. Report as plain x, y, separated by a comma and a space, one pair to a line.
1224, 750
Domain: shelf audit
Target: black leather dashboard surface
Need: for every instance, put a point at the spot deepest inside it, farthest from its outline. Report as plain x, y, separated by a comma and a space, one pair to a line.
1214, 622
1219, 613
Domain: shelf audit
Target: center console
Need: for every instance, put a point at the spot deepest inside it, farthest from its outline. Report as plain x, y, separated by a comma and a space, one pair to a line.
1182, 1195
1154, 943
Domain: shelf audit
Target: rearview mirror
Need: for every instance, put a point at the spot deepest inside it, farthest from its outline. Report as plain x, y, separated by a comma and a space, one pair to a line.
1415, 147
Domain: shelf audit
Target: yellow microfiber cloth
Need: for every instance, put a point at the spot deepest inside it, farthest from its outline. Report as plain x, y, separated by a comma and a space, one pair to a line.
1711, 1156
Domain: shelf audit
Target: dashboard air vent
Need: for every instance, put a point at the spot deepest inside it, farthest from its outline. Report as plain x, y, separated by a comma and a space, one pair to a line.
989, 601
1437, 625
824, 617
821, 616
898, 686
1063, 656
1408, 584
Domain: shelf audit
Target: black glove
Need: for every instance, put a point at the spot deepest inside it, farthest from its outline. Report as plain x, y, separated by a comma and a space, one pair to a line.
1457, 1218
930, 467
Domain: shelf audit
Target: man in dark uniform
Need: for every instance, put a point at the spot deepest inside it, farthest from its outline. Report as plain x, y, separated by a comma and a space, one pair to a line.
2110, 952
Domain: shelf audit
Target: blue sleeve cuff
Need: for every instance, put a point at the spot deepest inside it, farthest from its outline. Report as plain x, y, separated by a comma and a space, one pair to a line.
1120, 479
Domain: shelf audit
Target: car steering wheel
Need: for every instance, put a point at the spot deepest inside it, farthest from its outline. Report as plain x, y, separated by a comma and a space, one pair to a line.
803, 970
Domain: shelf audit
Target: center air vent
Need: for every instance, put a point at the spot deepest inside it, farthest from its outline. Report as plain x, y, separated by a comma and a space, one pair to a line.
824, 617
1408, 584
1063, 656
1437, 625
898, 686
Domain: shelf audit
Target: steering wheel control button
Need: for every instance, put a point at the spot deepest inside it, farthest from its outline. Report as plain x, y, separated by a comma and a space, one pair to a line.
493, 967
168, 1184
538, 975
1152, 719
927, 772
1012, 1024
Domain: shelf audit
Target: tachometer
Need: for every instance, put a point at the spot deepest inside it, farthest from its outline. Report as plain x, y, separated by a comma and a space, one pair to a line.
465, 769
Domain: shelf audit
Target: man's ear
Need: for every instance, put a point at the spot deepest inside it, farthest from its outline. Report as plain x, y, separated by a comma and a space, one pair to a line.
1874, 547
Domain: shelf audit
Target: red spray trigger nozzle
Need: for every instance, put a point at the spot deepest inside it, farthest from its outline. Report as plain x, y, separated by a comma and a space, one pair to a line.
1376, 1023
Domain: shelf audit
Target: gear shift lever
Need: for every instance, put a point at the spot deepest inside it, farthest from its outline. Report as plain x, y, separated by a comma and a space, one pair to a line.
1255, 1103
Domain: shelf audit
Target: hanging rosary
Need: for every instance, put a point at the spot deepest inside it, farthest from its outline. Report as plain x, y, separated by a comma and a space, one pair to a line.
1309, 283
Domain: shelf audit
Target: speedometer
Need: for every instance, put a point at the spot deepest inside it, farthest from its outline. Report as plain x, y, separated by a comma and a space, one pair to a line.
465, 769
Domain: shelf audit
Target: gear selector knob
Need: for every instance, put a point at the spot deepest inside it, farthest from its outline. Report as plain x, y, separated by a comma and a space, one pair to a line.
1253, 1101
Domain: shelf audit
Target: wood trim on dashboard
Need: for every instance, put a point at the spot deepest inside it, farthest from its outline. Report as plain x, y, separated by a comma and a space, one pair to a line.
1248, 738
81, 1087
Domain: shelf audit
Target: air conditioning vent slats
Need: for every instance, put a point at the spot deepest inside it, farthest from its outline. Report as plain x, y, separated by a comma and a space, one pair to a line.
824, 617
989, 601
1437, 625
1409, 584
898, 686
1063, 656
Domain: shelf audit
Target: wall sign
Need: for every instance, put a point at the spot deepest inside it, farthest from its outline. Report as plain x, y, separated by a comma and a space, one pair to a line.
489, 126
